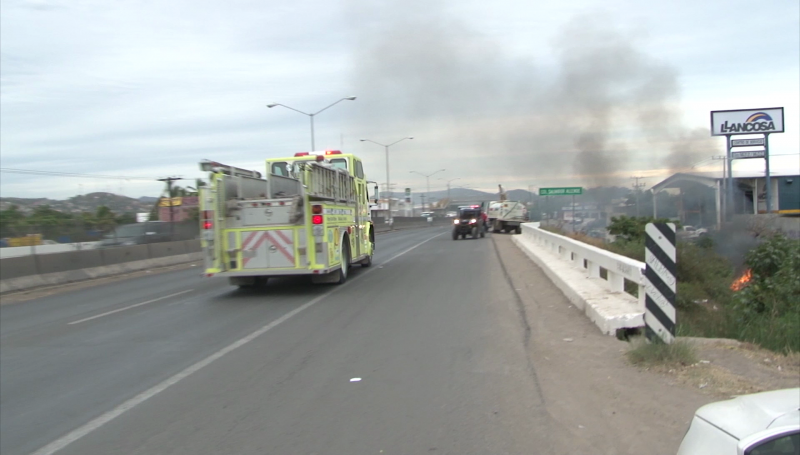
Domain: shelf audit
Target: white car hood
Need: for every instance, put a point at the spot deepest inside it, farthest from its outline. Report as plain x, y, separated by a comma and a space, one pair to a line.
745, 415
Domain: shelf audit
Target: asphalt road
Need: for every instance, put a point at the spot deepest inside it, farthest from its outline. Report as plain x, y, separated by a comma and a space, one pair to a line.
421, 353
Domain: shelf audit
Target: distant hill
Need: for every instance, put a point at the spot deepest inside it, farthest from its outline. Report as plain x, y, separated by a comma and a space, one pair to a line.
83, 203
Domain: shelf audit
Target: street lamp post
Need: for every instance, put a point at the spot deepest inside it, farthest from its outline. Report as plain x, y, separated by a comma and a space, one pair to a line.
311, 116
448, 188
388, 184
428, 181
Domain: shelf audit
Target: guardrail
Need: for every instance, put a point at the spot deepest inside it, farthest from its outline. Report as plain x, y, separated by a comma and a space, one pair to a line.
578, 269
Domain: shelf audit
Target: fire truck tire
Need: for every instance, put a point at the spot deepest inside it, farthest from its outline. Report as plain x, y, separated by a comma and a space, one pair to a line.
344, 271
367, 261
455, 234
518, 230
474, 233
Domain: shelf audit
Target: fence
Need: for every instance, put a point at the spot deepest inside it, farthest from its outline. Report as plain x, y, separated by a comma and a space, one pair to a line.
75, 231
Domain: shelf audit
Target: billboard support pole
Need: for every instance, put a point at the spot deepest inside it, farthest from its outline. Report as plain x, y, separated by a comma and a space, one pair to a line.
729, 206
767, 180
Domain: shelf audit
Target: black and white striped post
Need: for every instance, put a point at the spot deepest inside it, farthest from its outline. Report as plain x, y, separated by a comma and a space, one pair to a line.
660, 281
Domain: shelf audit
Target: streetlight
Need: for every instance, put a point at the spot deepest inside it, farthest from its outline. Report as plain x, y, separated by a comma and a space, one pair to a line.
311, 116
388, 185
427, 179
448, 187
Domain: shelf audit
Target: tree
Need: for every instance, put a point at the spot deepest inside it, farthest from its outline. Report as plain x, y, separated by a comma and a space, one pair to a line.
105, 218
631, 229
12, 222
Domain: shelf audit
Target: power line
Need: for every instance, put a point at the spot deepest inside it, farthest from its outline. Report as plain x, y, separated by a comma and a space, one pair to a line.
71, 174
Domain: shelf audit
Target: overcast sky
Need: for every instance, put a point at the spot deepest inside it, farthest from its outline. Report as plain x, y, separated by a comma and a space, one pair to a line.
542, 93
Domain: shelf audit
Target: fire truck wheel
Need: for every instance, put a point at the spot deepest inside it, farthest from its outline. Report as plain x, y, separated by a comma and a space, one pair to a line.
518, 230
345, 269
367, 261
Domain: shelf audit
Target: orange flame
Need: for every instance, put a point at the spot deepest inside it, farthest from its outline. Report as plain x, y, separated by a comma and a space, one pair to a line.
740, 283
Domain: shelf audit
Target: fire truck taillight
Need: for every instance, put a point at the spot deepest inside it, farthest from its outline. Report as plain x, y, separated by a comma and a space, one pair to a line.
316, 219
208, 216
316, 209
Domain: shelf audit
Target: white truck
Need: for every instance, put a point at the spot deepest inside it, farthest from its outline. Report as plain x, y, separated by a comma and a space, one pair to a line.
505, 215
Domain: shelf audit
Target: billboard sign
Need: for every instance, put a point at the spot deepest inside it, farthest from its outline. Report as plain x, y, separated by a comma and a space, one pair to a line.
749, 154
747, 142
747, 121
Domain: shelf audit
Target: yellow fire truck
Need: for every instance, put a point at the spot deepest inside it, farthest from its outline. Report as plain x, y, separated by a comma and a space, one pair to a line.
309, 216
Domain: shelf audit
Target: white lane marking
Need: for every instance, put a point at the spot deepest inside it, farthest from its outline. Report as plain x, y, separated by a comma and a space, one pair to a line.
128, 307
355, 379
126, 406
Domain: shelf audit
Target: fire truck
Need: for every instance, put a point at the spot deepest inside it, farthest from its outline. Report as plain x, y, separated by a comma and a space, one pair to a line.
310, 215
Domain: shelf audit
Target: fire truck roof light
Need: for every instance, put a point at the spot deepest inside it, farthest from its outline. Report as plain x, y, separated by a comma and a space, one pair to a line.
301, 154
333, 152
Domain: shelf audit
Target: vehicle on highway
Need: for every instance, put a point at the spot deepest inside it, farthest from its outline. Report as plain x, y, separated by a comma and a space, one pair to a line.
311, 215
766, 423
505, 215
469, 221
451, 214
137, 234
691, 232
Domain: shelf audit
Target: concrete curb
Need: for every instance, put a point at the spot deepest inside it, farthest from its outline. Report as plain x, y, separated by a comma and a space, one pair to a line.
610, 311
53, 279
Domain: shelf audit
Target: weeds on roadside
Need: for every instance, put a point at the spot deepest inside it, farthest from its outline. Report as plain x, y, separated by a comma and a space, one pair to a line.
645, 353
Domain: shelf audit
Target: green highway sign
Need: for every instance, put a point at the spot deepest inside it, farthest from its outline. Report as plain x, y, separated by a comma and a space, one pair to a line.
566, 191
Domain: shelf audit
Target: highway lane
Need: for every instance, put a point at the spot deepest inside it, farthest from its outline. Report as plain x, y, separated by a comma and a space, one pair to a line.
434, 336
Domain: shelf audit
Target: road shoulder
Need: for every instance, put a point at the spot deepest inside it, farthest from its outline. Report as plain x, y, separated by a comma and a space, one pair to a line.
587, 384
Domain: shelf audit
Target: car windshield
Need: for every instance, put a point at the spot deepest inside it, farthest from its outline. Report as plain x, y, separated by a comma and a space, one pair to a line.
470, 213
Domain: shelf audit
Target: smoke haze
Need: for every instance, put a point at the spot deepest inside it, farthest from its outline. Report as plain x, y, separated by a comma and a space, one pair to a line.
602, 109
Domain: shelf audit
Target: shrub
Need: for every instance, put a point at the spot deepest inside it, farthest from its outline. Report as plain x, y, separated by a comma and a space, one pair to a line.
642, 352
767, 311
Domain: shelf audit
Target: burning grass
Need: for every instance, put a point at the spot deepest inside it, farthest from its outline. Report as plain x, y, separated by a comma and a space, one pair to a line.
743, 280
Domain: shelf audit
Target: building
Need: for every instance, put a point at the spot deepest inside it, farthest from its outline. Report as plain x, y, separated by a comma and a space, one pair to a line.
182, 208
702, 195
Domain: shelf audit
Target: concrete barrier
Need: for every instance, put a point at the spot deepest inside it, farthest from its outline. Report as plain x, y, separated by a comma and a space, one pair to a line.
407, 222
26, 272
577, 268
52, 279
122, 254
16, 267
160, 250
64, 262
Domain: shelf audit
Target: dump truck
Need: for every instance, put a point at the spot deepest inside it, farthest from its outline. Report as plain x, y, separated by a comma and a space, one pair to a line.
505, 215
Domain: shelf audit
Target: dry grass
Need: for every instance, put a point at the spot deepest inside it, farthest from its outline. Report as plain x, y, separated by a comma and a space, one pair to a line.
645, 353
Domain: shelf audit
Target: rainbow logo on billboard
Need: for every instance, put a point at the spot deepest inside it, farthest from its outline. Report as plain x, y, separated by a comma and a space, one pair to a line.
759, 116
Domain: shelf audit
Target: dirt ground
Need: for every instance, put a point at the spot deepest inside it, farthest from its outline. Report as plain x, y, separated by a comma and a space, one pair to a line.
608, 405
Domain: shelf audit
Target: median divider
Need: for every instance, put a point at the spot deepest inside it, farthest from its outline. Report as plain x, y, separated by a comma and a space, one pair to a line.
593, 279
27, 272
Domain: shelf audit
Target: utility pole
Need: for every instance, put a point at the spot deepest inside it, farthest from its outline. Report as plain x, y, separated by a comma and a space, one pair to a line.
169, 181
637, 189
